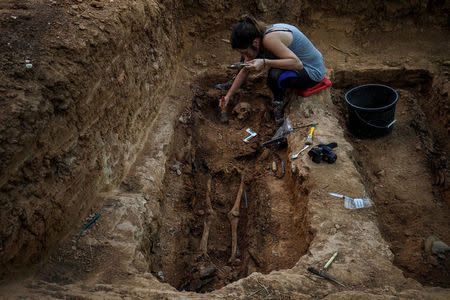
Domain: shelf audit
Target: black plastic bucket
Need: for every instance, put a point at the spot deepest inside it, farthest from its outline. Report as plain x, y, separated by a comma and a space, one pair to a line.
371, 110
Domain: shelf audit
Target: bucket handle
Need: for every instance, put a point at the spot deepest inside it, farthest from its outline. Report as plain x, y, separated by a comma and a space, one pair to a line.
373, 125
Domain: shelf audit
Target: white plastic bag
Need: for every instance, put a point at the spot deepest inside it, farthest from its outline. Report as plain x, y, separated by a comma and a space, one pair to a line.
354, 203
284, 130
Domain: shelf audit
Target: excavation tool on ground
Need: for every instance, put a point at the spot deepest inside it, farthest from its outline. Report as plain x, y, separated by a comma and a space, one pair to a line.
88, 225
322, 273
294, 156
279, 141
239, 65
309, 139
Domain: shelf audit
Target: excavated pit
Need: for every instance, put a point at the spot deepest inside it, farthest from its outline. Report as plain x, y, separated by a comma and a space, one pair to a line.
273, 232
273, 223
404, 172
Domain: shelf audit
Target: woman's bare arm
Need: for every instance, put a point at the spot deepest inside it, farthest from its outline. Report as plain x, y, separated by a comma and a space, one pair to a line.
237, 83
286, 59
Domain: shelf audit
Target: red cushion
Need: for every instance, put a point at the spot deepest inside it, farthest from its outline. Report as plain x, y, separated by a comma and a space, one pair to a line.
325, 83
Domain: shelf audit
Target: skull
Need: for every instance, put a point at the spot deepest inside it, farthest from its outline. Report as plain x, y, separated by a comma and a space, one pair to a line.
242, 110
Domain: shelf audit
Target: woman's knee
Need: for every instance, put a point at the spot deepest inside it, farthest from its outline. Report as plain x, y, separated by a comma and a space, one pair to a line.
272, 78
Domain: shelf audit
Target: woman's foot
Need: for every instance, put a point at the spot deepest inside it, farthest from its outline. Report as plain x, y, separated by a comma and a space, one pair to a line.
278, 111
224, 86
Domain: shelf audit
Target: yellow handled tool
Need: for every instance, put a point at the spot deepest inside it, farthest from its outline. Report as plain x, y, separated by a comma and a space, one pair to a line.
223, 111
309, 139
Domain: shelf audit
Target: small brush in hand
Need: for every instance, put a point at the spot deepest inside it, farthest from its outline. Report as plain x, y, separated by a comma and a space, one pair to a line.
223, 111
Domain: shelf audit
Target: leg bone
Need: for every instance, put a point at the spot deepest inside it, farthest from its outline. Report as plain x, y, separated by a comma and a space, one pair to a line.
207, 223
233, 217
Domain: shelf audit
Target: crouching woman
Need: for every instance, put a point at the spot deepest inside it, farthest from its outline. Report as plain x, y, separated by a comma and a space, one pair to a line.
289, 56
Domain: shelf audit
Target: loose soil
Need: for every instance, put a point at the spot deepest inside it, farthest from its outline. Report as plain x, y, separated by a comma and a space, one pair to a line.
272, 229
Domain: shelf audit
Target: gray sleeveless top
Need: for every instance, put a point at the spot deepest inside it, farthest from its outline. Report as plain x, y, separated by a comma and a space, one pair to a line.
302, 47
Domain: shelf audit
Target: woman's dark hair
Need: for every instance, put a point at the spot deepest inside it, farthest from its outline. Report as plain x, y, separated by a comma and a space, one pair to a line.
245, 31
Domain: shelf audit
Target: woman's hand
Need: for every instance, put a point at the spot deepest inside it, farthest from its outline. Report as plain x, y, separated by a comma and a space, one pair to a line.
223, 102
256, 64
237, 83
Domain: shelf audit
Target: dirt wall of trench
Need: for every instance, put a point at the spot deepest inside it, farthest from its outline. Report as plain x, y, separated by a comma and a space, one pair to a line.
73, 122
